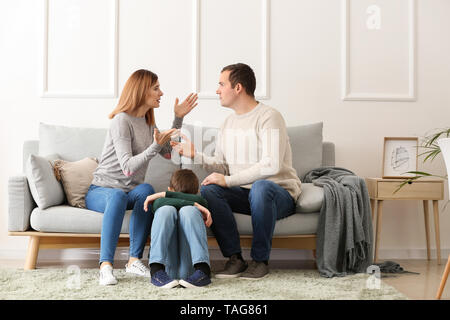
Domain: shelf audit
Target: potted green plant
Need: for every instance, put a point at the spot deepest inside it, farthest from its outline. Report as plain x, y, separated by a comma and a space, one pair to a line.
432, 148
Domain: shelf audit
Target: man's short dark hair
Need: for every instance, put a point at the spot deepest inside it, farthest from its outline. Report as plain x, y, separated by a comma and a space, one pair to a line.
184, 180
243, 74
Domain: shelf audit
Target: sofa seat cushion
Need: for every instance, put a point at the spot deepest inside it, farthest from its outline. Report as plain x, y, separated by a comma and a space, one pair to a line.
71, 220
76, 220
296, 224
310, 199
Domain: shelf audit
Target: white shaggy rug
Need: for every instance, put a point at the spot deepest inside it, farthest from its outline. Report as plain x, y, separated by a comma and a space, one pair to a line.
73, 283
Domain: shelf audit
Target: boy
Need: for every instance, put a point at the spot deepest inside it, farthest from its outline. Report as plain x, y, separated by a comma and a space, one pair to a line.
179, 245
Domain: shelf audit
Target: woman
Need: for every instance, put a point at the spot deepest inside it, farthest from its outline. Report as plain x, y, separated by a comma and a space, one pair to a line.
131, 142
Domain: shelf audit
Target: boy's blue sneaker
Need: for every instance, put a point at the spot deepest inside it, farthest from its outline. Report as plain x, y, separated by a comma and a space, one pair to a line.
197, 279
162, 280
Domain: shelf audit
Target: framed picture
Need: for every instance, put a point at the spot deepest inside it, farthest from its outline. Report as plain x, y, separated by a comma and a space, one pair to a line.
399, 156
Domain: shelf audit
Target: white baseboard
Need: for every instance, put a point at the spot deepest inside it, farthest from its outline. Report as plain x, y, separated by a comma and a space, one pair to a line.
215, 254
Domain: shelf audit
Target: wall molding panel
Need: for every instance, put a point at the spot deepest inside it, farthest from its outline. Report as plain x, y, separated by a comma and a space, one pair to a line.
265, 45
347, 93
111, 92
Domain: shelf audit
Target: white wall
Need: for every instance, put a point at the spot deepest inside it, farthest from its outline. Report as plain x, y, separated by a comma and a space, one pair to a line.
296, 48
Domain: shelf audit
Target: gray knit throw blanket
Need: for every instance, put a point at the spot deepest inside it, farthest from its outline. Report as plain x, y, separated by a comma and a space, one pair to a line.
344, 233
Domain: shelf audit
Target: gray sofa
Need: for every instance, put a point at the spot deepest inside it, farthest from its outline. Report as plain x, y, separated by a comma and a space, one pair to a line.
63, 226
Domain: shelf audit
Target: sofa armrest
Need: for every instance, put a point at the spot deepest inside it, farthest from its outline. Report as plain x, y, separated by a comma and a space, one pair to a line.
20, 203
328, 154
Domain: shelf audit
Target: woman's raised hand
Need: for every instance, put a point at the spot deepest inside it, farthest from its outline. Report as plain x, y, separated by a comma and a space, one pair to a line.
186, 106
162, 138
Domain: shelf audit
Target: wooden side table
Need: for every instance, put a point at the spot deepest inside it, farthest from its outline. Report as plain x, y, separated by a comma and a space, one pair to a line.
423, 189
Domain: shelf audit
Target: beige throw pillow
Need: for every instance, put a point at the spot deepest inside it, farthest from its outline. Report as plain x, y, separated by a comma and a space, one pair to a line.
76, 177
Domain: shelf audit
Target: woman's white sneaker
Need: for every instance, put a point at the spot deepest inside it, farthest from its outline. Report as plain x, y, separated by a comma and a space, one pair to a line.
138, 268
106, 276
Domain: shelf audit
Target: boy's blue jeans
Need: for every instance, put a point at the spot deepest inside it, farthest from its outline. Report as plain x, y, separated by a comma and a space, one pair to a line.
178, 240
266, 202
113, 203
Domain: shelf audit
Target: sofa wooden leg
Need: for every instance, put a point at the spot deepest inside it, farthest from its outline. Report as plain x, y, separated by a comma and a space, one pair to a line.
315, 258
32, 253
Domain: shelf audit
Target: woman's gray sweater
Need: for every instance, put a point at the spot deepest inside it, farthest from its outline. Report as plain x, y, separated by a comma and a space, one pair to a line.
128, 149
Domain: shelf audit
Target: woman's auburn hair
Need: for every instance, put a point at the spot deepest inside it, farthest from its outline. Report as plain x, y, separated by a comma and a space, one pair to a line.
134, 94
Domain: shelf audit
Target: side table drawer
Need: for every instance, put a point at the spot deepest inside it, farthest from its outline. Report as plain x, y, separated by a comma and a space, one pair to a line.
415, 190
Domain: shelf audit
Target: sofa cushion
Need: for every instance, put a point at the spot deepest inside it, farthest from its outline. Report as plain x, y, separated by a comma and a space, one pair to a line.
310, 199
71, 143
76, 220
69, 219
76, 177
160, 171
296, 224
293, 224
306, 144
44, 186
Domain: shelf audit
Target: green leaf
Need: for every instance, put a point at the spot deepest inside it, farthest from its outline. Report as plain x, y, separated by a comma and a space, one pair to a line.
432, 149
419, 172
432, 155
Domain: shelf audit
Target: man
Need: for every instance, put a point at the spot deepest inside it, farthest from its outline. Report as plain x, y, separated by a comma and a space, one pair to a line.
252, 173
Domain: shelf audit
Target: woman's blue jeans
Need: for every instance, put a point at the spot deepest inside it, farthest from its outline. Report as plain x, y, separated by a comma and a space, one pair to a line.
113, 203
178, 240
266, 202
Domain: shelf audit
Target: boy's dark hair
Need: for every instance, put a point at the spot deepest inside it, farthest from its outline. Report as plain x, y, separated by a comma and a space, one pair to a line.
184, 180
243, 74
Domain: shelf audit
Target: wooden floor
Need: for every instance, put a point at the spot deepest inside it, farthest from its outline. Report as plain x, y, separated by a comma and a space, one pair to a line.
423, 286
419, 287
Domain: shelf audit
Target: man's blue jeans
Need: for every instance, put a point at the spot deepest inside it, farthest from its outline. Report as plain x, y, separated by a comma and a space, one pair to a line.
178, 240
113, 203
266, 202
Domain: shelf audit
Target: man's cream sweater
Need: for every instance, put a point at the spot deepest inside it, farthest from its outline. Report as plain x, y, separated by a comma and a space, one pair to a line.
253, 146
